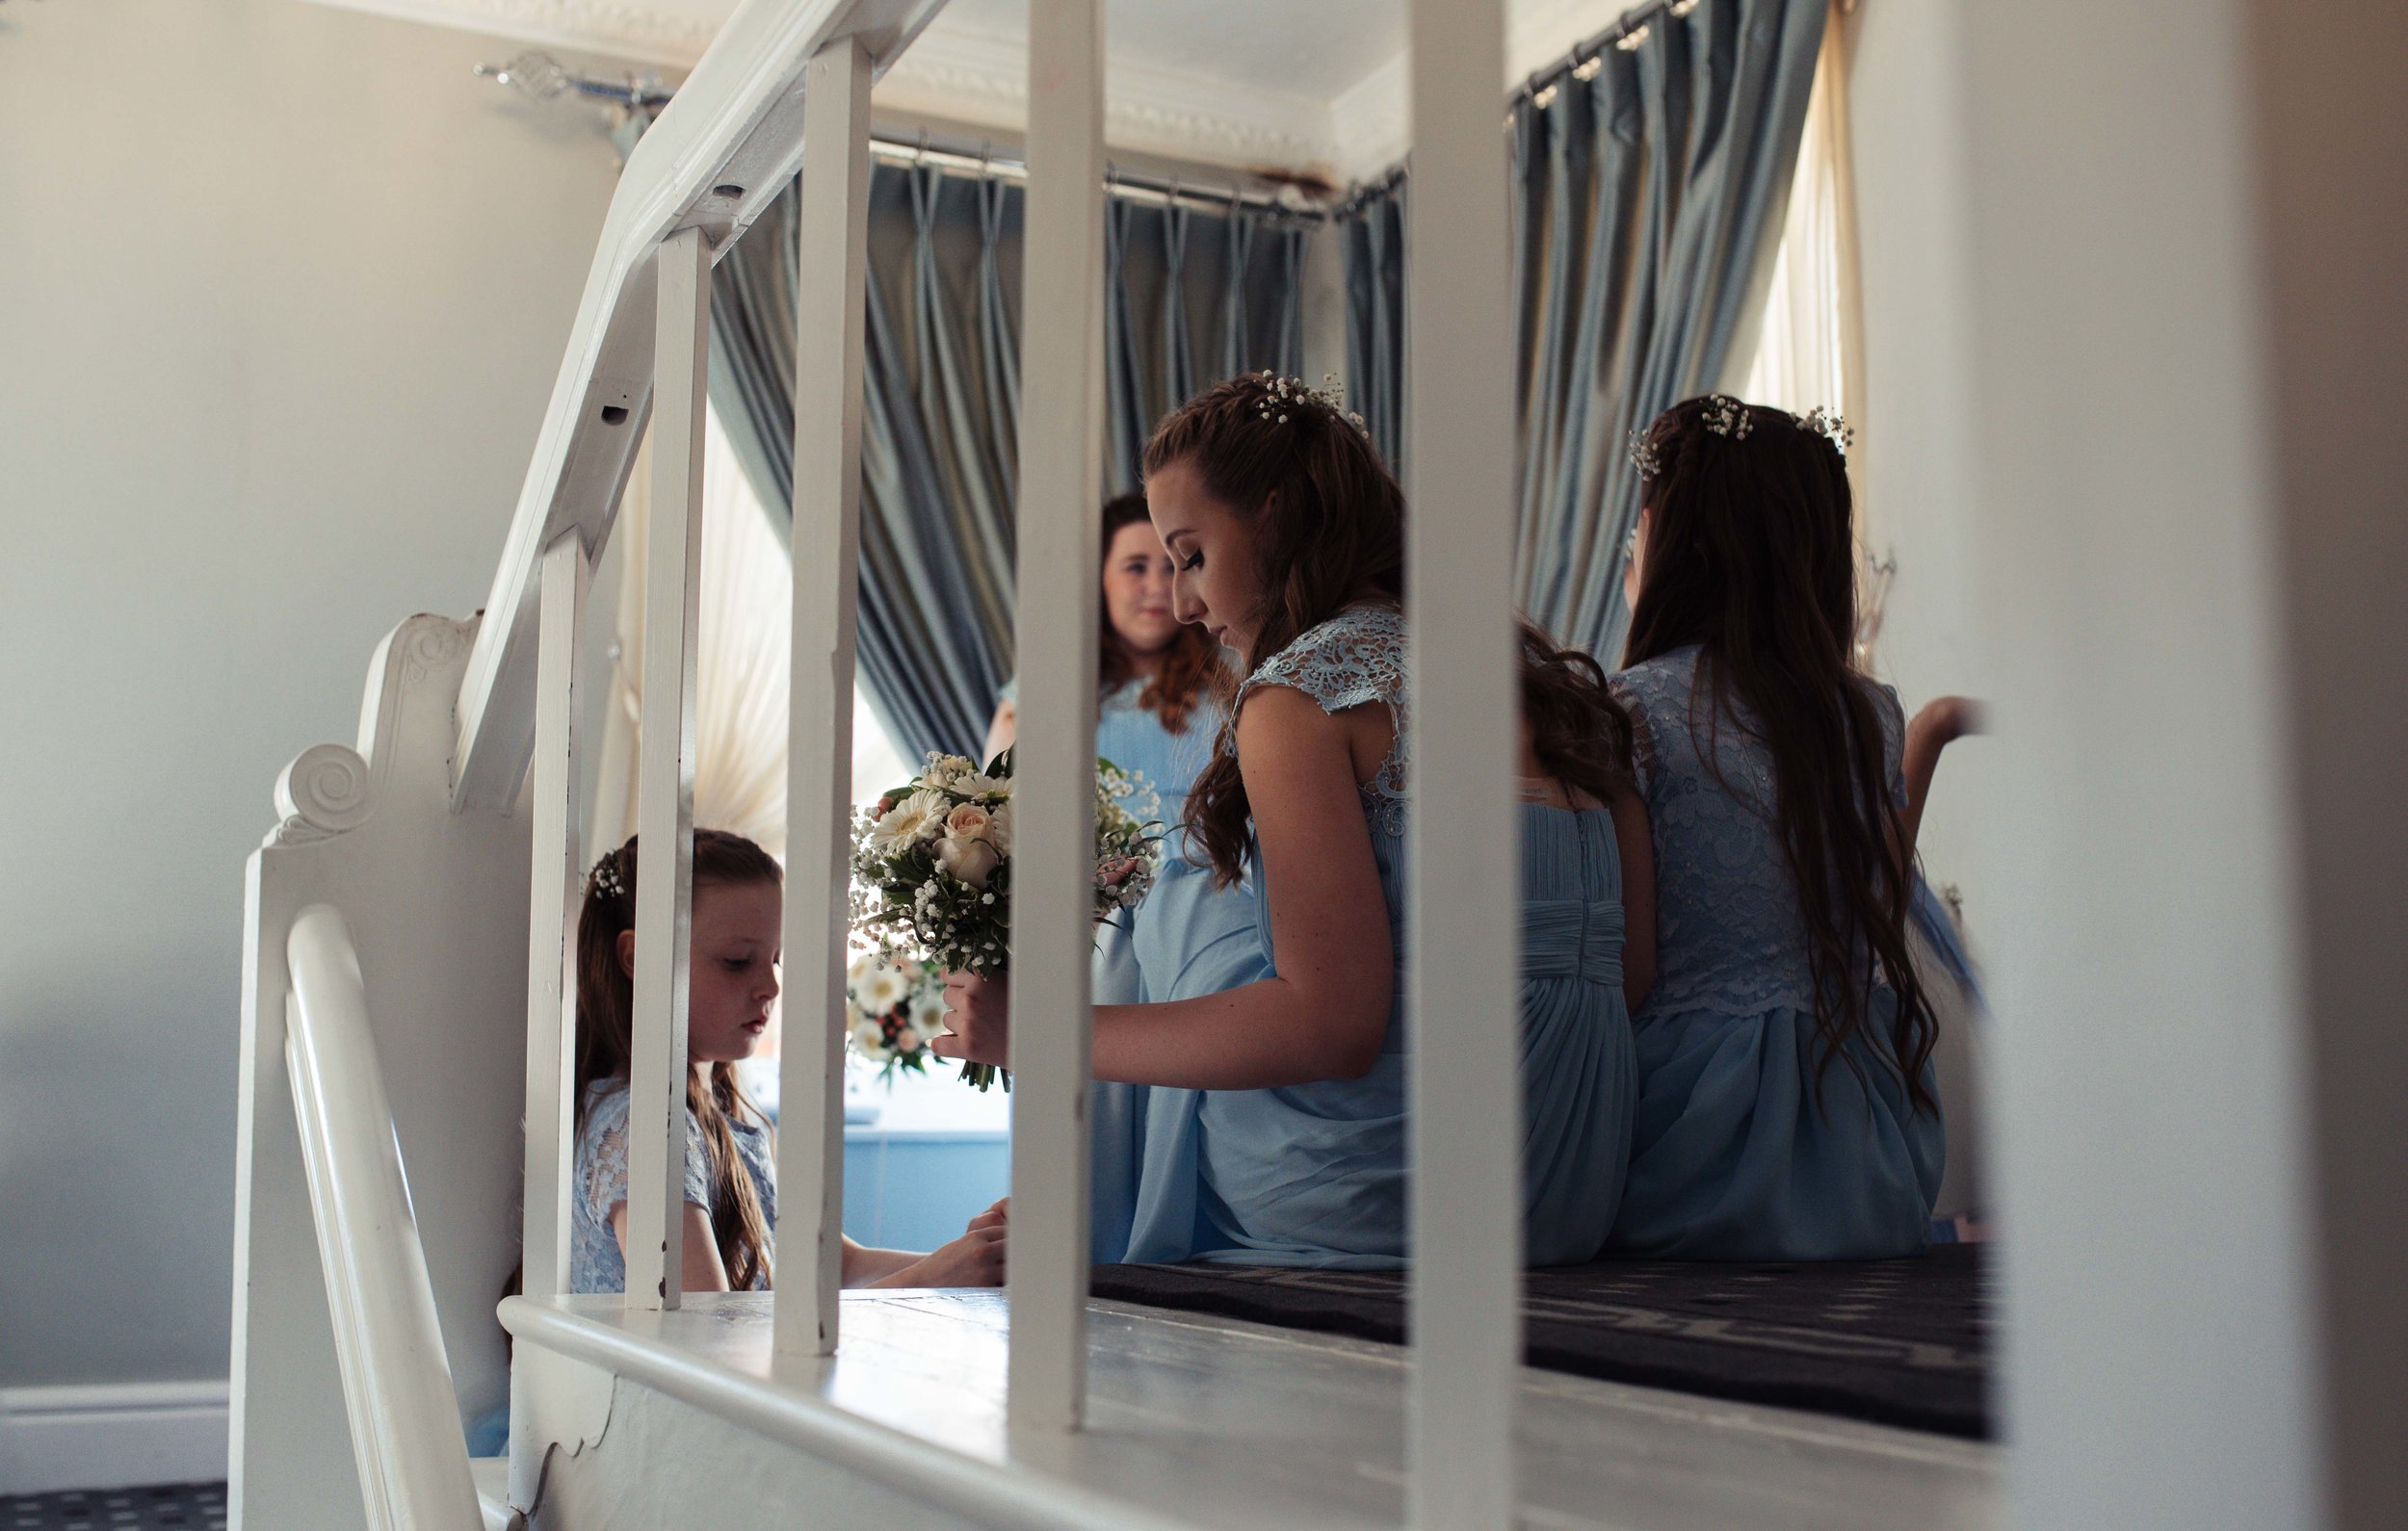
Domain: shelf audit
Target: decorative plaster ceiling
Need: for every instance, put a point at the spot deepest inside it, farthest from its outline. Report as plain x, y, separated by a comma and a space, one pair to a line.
1308, 86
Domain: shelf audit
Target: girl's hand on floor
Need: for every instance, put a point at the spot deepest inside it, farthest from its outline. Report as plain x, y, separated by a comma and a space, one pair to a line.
974, 1259
978, 1018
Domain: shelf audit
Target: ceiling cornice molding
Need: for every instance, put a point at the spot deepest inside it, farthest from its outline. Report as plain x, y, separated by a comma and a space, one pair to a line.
982, 80
638, 33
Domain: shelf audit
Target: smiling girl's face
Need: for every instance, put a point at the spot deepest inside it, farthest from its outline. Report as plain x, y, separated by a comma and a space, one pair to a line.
1212, 581
1137, 591
732, 973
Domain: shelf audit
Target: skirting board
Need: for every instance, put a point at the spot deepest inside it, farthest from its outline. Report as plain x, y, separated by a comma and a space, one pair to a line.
115, 1436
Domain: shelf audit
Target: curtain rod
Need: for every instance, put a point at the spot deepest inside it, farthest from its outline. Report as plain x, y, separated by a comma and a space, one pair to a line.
544, 78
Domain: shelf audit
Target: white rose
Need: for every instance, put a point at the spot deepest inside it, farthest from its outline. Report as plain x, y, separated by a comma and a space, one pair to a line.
916, 817
906, 1039
969, 861
968, 821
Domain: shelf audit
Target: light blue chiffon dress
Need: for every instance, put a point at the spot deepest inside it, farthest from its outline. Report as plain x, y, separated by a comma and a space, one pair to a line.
1743, 1148
1313, 1175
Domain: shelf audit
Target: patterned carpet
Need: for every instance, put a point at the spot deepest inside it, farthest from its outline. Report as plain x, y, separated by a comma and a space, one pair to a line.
179, 1506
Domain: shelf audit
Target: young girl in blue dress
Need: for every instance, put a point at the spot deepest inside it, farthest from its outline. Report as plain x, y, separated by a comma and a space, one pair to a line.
1786, 1104
1288, 1038
730, 1184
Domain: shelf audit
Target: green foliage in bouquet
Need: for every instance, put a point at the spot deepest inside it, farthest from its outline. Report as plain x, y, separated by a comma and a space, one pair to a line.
931, 865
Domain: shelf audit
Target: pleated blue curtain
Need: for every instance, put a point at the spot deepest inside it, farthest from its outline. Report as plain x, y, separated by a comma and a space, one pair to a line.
941, 402
1648, 203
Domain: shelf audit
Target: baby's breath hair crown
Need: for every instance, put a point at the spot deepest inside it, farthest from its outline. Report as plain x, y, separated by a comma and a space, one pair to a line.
1726, 416
1644, 455
608, 880
1283, 395
1827, 424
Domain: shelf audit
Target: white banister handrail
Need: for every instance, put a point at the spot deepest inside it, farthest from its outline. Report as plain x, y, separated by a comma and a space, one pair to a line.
404, 1418
721, 152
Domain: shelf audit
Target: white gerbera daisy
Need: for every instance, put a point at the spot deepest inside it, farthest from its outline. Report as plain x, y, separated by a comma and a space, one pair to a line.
882, 991
918, 817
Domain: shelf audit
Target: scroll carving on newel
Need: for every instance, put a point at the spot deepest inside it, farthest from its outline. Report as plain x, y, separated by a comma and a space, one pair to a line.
323, 794
433, 645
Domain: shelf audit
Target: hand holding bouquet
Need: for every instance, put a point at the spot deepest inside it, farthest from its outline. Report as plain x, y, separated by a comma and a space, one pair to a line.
931, 865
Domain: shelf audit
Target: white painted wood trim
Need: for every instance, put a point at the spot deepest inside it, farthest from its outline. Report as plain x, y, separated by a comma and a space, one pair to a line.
1052, 884
1012, 1495
656, 1106
555, 891
720, 153
111, 1436
833, 264
1463, 961
404, 1417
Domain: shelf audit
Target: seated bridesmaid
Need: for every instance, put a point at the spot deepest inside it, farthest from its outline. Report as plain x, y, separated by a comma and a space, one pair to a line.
1786, 1104
1160, 684
1287, 1039
730, 1188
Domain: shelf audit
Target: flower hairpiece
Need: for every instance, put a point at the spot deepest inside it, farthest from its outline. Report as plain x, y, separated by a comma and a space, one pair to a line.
1726, 416
609, 882
1644, 453
1280, 395
1828, 425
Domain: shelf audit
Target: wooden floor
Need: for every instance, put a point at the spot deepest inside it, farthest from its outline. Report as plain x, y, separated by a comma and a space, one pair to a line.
1211, 1422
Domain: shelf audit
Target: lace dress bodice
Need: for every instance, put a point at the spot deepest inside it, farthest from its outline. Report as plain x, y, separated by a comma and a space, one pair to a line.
594, 1261
1729, 935
1355, 657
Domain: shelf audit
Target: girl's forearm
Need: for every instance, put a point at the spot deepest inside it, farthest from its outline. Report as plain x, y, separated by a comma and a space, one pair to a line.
1253, 1037
863, 1266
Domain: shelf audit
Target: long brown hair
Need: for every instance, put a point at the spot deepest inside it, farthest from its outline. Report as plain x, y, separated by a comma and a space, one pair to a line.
605, 1006
1750, 556
1326, 519
1190, 669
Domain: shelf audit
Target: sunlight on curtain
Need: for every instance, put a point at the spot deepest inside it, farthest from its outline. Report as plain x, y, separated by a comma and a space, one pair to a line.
1809, 349
741, 660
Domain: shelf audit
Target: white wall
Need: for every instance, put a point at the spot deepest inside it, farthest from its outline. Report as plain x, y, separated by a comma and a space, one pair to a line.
1910, 222
282, 289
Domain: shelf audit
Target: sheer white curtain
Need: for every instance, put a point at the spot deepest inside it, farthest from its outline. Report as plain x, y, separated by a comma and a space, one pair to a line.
1808, 351
1810, 346
741, 666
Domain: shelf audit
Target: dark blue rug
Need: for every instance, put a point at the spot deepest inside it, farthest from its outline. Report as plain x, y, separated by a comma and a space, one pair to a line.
1895, 1341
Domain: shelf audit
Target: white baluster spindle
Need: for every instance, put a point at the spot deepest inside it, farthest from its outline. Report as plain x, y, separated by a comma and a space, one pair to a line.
1463, 978
1052, 883
656, 1108
832, 263
553, 902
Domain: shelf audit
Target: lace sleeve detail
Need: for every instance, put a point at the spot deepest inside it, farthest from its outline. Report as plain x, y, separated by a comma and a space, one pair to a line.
1622, 690
602, 1157
1892, 713
1354, 659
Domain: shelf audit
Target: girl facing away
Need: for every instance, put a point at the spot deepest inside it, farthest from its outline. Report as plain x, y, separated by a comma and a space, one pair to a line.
1786, 1104
1287, 1038
730, 1181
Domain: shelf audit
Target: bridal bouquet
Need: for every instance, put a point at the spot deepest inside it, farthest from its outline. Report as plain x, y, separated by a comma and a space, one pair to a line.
931, 865
894, 1006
